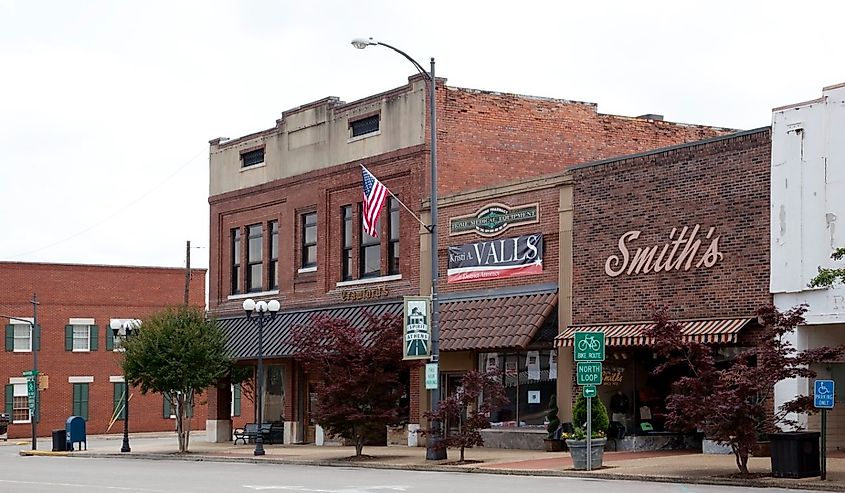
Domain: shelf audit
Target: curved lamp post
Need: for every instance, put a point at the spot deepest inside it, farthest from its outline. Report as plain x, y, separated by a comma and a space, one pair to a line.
433, 452
125, 330
260, 309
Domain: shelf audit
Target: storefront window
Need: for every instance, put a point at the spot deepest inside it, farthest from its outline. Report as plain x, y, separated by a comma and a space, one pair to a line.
530, 379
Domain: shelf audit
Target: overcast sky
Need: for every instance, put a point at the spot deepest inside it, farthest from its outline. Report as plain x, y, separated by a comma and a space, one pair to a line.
107, 107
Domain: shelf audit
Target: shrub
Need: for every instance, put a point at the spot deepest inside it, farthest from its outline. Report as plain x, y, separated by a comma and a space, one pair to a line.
553, 428
600, 419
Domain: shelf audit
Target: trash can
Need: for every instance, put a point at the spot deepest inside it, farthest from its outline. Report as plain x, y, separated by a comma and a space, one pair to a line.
59, 441
795, 454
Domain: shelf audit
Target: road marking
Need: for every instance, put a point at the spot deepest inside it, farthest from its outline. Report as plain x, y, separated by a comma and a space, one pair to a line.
88, 486
348, 489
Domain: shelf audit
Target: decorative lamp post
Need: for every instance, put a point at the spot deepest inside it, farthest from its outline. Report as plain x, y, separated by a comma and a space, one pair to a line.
433, 451
260, 309
128, 329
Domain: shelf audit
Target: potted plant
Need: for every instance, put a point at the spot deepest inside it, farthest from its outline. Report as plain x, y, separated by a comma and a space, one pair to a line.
577, 441
553, 442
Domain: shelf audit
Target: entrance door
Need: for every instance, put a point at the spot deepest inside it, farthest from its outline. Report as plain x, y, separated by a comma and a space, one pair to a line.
449, 385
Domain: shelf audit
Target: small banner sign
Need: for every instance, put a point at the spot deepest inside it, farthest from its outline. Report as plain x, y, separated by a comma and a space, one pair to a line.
493, 219
417, 327
496, 259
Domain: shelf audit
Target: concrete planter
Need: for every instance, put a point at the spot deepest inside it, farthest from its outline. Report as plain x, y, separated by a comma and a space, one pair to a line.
578, 451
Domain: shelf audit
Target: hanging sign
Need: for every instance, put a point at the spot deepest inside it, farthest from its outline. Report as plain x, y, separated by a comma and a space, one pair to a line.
496, 259
417, 327
493, 219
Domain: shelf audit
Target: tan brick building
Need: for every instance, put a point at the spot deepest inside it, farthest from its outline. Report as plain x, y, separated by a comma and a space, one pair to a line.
285, 210
76, 351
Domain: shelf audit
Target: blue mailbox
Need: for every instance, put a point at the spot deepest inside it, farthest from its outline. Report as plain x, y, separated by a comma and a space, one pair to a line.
75, 430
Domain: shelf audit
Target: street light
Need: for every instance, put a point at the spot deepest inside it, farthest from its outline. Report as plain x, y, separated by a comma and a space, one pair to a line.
260, 309
129, 327
433, 451
34, 374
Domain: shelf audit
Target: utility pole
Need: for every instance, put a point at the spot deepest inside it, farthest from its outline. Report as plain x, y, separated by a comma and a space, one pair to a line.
187, 271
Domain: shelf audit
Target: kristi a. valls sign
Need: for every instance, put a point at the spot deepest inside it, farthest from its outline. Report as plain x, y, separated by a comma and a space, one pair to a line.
496, 259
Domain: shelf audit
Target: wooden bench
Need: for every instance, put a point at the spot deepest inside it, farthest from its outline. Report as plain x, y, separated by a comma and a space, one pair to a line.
250, 432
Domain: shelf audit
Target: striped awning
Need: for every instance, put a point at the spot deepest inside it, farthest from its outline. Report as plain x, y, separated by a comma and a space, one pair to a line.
724, 331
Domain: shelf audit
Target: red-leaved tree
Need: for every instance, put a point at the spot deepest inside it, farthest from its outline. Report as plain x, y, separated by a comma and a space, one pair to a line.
732, 404
356, 372
470, 407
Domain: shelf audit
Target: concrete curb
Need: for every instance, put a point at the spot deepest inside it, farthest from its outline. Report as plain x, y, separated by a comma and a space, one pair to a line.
43, 453
814, 485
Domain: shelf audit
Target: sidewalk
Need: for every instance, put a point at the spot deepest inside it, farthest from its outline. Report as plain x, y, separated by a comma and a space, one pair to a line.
664, 466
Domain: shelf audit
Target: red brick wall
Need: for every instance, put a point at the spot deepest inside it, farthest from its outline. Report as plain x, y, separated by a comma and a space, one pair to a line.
722, 184
98, 292
325, 191
488, 138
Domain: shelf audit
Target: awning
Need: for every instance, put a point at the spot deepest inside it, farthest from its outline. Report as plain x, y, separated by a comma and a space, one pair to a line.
242, 335
723, 331
494, 322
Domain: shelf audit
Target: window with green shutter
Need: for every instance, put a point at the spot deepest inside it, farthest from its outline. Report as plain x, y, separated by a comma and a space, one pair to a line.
9, 399
119, 399
80, 400
236, 400
167, 409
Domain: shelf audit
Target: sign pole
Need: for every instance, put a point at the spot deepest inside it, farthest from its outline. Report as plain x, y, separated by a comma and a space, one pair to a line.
824, 445
589, 433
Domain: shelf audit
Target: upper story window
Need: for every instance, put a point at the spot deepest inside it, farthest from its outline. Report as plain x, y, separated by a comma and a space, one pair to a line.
81, 337
255, 257
274, 254
236, 260
309, 240
22, 342
364, 126
369, 264
346, 256
251, 158
393, 236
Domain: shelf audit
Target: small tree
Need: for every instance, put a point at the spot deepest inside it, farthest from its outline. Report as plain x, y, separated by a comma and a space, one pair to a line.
828, 277
553, 425
356, 371
731, 405
178, 353
600, 420
470, 407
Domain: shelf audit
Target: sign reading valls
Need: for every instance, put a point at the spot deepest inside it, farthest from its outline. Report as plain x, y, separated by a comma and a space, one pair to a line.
496, 259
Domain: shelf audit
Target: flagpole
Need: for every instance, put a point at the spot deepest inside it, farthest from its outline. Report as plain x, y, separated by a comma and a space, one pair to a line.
424, 225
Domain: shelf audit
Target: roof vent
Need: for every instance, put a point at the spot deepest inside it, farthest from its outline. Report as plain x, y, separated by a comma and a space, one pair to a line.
651, 116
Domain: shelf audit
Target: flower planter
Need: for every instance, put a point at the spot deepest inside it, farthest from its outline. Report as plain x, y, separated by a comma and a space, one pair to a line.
578, 451
554, 444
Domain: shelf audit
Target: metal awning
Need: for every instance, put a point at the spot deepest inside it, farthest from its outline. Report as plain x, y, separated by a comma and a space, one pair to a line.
242, 335
722, 331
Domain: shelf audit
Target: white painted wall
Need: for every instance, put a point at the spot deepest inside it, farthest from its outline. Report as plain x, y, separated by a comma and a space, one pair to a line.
808, 221
808, 202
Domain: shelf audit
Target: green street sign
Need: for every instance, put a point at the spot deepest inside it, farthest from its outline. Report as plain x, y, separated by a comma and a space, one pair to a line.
589, 373
30, 373
589, 346
590, 391
431, 373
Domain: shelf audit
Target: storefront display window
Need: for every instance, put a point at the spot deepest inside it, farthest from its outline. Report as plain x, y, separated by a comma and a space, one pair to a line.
528, 383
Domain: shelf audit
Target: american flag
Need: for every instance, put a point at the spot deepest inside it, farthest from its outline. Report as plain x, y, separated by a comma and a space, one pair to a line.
374, 195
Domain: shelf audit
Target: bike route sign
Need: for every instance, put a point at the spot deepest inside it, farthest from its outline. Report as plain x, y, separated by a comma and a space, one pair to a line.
589, 346
823, 394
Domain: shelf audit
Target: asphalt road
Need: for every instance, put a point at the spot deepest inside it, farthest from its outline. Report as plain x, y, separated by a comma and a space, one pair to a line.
72, 474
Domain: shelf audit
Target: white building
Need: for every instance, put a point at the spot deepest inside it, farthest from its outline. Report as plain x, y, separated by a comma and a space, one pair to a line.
807, 224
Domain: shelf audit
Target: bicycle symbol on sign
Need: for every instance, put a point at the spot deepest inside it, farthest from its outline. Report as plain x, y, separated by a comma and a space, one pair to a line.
589, 342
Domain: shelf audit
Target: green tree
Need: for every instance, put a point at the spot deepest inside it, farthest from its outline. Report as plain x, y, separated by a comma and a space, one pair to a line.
828, 277
178, 353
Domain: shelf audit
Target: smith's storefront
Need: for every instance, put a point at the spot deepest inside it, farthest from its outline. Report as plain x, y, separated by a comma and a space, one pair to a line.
685, 228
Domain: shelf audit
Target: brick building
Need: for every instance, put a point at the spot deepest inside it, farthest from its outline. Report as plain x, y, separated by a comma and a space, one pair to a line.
76, 349
685, 227
285, 210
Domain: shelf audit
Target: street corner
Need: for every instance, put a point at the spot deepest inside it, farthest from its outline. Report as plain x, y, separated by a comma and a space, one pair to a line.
42, 453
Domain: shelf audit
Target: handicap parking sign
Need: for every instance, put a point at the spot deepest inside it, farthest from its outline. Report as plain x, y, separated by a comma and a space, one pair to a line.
823, 394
